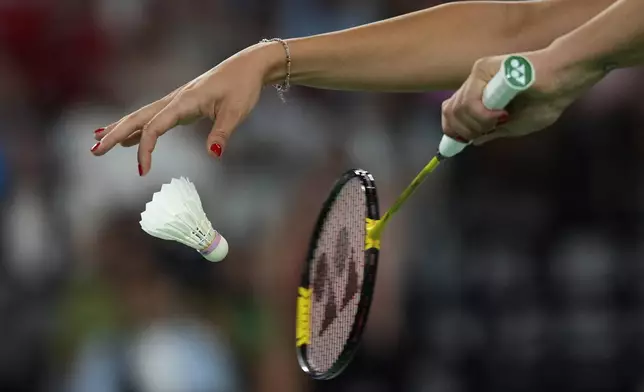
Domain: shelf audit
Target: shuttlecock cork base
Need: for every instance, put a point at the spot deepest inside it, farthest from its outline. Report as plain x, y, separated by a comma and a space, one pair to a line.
176, 214
217, 250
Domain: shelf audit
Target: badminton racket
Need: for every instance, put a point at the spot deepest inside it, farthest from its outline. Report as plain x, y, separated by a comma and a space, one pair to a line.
339, 275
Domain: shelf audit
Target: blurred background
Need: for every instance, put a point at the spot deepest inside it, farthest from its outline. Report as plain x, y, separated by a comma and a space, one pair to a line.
517, 267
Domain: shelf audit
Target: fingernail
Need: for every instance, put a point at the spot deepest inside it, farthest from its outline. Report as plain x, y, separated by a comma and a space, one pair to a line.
95, 147
216, 148
460, 139
503, 119
140, 170
99, 130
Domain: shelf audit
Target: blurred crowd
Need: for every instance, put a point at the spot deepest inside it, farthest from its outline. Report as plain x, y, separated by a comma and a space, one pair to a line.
516, 267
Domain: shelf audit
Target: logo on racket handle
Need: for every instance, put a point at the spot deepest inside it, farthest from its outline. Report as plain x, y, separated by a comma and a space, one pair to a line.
518, 72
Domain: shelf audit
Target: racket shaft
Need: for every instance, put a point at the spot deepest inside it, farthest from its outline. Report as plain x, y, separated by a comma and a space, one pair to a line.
377, 229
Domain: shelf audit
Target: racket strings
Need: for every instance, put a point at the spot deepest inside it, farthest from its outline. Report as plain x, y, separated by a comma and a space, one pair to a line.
337, 276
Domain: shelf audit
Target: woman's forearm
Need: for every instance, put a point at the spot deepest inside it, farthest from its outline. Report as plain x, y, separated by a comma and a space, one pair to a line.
612, 39
430, 49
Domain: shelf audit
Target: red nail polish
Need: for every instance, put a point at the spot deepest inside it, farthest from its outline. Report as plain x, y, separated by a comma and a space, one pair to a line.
140, 170
99, 130
216, 148
503, 119
95, 146
460, 139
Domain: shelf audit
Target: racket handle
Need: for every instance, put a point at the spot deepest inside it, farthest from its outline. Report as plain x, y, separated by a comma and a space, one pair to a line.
449, 147
515, 76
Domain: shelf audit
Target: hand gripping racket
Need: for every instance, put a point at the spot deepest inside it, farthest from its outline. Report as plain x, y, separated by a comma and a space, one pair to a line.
339, 275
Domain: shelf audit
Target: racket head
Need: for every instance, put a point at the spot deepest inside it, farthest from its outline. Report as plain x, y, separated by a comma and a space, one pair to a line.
338, 278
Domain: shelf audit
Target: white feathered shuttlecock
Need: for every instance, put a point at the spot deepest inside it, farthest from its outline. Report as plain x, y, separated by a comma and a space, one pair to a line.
176, 214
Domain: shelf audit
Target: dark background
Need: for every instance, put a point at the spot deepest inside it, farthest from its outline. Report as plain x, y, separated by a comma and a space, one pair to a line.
517, 267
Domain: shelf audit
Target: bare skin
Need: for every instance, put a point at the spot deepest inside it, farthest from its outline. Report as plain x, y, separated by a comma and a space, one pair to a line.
430, 49
565, 70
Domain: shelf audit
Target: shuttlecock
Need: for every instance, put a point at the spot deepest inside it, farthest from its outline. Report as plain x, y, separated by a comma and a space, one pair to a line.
176, 214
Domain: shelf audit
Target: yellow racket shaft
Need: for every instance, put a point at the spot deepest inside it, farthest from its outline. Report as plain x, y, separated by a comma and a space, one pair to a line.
516, 75
376, 227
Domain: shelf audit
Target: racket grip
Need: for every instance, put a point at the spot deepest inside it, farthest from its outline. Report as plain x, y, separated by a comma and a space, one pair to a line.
515, 76
449, 147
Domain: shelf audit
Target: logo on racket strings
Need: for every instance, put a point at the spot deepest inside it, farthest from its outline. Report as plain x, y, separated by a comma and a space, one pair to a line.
328, 277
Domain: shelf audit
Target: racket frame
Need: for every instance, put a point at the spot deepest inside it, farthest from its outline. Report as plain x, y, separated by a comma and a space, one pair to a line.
366, 290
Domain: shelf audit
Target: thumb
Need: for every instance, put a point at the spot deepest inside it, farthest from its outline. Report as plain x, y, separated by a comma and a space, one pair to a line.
226, 120
485, 68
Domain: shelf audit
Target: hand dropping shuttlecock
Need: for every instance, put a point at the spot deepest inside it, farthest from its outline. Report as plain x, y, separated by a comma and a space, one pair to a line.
176, 214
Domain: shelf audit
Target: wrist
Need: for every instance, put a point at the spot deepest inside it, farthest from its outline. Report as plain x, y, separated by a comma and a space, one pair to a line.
272, 59
573, 57
560, 68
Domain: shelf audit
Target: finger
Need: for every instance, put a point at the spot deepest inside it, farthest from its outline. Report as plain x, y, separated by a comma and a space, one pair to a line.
162, 122
471, 110
117, 132
226, 121
120, 132
479, 122
124, 128
474, 126
132, 140
457, 127
503, 119
100, 133
464, 132
496, 133
147, 143
453, 128
464, 114
486, 117
447, 119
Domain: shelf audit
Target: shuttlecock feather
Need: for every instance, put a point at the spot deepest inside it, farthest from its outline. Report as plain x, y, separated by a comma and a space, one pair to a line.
176, 214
